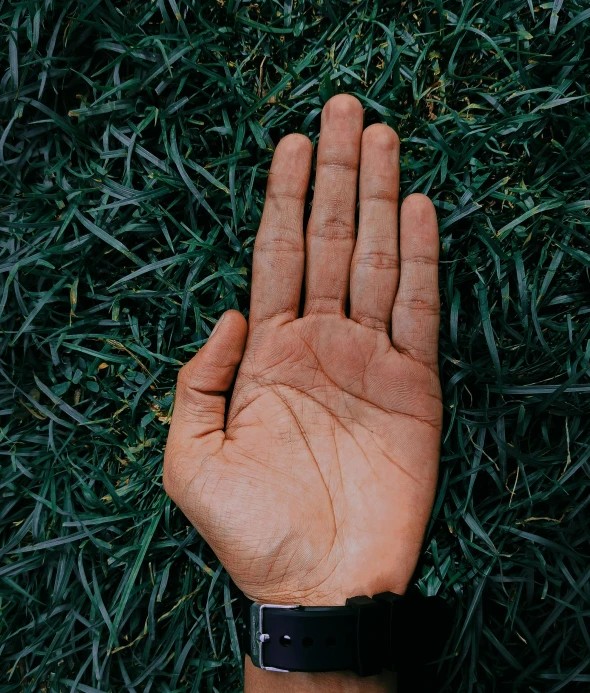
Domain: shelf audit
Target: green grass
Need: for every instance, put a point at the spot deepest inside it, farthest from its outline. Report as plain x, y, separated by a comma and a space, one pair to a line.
136, 140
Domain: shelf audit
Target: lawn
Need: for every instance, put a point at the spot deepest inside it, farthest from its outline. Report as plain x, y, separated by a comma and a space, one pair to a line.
136, 139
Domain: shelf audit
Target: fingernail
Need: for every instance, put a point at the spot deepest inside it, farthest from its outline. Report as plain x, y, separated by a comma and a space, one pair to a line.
217, 324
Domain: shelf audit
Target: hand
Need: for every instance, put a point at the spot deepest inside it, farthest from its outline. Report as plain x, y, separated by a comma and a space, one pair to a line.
319, 483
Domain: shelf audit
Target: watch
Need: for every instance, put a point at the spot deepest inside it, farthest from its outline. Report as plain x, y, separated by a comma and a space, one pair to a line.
388, 631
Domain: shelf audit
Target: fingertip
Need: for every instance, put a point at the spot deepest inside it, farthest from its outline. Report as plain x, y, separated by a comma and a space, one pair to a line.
343, 107
294, 144
418, 226
380, 136
291, 165
293, 152
213, 367
420, 207
237, 320
232, 314
232, 324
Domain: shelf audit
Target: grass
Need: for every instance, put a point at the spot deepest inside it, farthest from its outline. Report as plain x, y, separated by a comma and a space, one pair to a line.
136, 140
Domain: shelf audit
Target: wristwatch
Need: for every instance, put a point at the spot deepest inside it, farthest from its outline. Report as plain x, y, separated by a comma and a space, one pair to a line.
366, 635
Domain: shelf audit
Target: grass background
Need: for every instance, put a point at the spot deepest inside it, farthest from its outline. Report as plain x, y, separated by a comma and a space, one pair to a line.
135, 143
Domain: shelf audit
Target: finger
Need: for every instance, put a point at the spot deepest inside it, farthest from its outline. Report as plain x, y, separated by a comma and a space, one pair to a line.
330, 233
279, 256
199, 406
375, 263
196, 428
416, 310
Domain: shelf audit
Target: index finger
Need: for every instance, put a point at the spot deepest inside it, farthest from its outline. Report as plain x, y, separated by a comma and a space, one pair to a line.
279, 255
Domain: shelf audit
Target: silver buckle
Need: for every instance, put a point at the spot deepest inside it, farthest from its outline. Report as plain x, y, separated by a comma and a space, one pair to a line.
257, 635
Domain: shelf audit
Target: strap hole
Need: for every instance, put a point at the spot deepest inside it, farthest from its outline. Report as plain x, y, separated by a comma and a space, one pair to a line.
330, 642
285, 640
307, 642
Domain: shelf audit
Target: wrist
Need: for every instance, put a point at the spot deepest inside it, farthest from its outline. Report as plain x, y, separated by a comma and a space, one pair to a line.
331, 593
260, 681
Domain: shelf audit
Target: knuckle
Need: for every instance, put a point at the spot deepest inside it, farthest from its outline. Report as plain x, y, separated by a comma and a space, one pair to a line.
338, 165
286, 191
319, 303
372, 322
286, 195
427, 305
184, 378
376, 259
284, 239
421, 260
380, 194
332, 227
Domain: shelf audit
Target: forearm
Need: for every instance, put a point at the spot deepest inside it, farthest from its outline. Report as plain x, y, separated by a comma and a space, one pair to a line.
259, 681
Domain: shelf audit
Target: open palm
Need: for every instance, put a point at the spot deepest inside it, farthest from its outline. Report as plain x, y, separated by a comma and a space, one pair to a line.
318, 482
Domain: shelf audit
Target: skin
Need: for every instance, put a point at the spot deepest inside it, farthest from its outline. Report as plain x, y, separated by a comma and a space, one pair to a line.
319, 482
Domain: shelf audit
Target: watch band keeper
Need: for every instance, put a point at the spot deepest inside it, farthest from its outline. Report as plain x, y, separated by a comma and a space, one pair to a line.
371, 635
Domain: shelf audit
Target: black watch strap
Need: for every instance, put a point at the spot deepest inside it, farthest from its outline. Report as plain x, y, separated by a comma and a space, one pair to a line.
295, 638
404, 634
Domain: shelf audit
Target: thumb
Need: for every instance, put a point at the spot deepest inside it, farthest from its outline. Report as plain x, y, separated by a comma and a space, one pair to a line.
199, 407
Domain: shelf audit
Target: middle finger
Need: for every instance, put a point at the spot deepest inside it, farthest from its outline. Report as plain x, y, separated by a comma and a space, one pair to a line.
331, 230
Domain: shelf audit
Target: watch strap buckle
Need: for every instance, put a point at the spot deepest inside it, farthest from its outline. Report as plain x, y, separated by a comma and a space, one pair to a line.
258, 636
